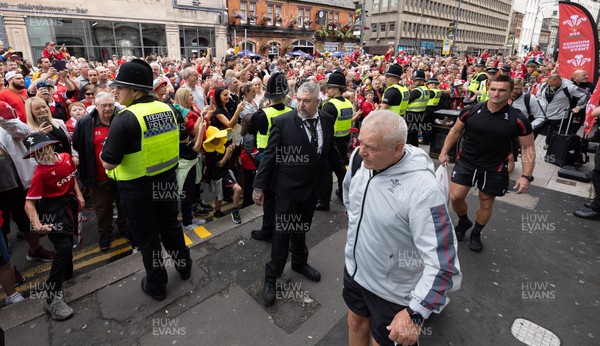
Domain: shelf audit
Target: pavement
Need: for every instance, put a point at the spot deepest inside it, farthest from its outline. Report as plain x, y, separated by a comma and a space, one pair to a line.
535, 283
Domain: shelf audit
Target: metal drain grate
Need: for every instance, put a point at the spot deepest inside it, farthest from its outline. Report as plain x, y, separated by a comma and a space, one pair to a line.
532, 334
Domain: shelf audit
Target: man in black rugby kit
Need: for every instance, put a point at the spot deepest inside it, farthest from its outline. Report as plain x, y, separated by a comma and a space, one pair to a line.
488, 129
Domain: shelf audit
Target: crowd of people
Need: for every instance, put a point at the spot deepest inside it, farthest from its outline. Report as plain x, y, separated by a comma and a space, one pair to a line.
135, 139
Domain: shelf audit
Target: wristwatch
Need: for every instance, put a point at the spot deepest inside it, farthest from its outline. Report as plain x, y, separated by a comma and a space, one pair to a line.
416, 317
528, 177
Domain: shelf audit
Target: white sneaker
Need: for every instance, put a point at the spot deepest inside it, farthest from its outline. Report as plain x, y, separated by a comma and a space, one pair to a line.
14, 298
198, 222
189, 228
58, 309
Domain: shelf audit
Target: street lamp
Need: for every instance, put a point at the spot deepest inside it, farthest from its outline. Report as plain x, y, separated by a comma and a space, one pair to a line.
455, 31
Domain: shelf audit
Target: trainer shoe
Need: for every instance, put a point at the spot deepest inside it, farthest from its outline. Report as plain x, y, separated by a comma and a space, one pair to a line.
461, 229
19, 279
235, 216
218, 214
475, 244
205, 205
40, 254
58, 309
189, 228
198, 222
201, 211
14, 298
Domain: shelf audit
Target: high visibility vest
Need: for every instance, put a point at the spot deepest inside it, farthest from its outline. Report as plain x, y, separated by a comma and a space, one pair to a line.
435, 101
160, 143
270, 112
474, 85
401, 108
419, 105
343, 122
484, 93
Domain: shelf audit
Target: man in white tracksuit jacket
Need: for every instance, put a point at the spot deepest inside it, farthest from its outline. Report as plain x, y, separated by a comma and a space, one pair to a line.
401, 252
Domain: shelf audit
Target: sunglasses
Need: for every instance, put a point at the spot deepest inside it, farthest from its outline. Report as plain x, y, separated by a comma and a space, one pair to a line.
89, 94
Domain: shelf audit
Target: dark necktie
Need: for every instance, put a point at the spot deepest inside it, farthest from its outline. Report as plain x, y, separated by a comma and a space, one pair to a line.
312, 127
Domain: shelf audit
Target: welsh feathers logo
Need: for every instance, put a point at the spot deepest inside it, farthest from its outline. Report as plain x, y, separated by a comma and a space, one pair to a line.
579, 60
574, 21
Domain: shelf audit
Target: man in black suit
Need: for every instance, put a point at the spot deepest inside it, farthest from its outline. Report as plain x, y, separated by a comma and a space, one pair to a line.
299, 146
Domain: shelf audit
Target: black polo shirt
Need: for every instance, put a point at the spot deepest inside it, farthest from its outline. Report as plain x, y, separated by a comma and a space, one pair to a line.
487, 138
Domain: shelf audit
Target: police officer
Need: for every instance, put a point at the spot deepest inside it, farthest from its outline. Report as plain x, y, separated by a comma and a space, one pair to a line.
396, 95
260, 126
482, 92
435, 94
505, 70
479, 77
417, 104
141, 153
340, 109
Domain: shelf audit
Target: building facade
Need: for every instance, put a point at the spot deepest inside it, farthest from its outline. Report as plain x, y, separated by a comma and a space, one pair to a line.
97, 30
274, 28
424, 26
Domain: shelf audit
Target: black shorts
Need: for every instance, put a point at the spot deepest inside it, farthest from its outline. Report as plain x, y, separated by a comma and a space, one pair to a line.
366, 304
491, 183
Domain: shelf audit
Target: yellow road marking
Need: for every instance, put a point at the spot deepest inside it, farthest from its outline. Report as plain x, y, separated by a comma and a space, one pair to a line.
26, 286
202, 232
188, 241
76, 256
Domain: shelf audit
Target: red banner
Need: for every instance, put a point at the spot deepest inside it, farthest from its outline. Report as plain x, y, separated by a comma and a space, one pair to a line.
592, 104
577, 37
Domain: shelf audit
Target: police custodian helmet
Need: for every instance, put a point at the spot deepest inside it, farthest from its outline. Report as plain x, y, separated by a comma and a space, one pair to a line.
394, 70
336, 80
136, 74
277, 86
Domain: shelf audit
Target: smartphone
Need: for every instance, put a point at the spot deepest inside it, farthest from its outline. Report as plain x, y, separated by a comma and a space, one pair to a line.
43, 119
59, 65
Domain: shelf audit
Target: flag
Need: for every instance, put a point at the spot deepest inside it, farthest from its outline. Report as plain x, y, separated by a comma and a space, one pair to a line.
577, 40
592, 104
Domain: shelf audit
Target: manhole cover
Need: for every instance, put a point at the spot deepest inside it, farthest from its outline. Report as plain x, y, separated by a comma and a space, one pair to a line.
530, 333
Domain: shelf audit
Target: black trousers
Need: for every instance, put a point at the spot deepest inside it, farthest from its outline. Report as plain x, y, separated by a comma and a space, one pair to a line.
12, 204
427, 125
62, 264
413, 123
268, 219
596, 182
292, 220
151, 208
325, 184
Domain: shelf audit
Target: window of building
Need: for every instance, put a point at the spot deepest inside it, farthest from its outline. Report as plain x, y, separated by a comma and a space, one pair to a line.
304, 45
393, 5
244, 12
382, 27
195, 40
273, 49
98, 40
300, 17
384, 5
374, 27
252, 14
376, 5
392, 27
270, 14
336, 17
278, 17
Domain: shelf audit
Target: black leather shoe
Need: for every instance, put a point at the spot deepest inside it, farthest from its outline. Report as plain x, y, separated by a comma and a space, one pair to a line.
475, 243
587, 214
261, 236
310, 272
461, 229
587, 205
158, 297
269, 293
322, 207
186, 274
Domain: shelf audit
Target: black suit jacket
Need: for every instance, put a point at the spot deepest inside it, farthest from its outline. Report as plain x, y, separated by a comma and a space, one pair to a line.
290, 165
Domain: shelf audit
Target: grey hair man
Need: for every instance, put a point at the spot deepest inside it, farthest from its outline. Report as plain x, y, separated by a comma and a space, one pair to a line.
396, 272
190, 77
299, 146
